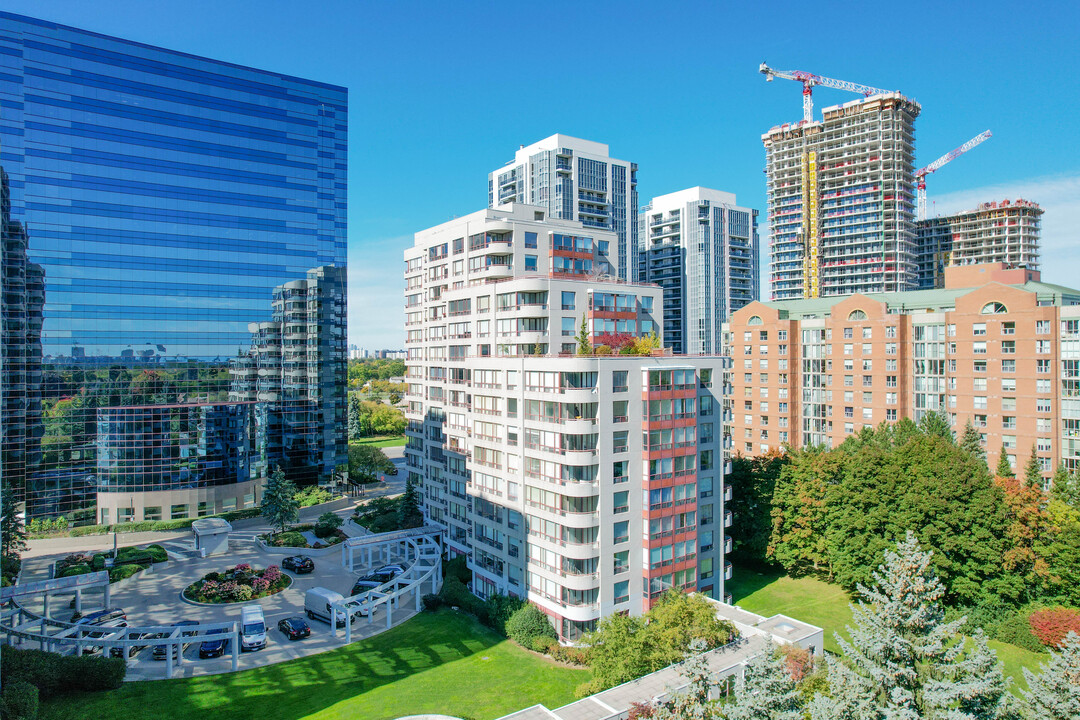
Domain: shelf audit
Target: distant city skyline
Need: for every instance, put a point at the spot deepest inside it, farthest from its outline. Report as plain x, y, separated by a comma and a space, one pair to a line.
417, 90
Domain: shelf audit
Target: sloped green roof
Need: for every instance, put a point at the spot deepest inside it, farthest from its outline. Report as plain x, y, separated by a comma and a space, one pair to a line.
935, 300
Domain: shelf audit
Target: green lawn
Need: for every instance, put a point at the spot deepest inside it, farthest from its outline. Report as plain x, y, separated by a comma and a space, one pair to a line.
442, 662
828, 607
381, 441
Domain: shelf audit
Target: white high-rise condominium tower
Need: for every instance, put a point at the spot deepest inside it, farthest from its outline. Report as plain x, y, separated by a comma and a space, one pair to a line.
574, 179
841, 200
588, 484
702, 248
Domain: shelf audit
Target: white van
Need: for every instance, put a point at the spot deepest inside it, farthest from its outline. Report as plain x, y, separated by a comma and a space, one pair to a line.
317, 602
252, 628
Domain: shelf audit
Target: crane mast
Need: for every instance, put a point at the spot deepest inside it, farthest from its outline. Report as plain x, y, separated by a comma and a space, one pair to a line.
921, 173
809, 80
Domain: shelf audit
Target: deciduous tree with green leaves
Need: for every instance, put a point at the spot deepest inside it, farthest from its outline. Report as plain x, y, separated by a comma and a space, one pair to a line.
799, 511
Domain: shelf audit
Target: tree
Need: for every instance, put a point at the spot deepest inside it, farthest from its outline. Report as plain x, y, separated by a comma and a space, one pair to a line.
971, 442
975, 688
903, 660
753, 482
584, 347
1066, 487
693, 702
624, 647
1026, 530
766, 691
1055, 692
797, 540
279, 504
12, 530
935, 423
1032, 472
411, 514
1004, 469
366, 462
354, 416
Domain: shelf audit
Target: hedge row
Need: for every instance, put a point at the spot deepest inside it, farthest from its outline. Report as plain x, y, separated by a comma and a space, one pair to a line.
52, 674
159, 525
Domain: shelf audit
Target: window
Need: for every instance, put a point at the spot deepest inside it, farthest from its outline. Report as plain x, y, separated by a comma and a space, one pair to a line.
1042, 405
855, 315
619, 441
849, 333
530, 263
1008, 403
1042, 347
1042, 327
621, 531
994, 308
1041, 386
530, 240
890, 415
979, 402
1008, 384
890, 365
1008, 366
1042, 366
568, 326
621, 561
979, 384
568, 300
979, 348
979, 366
153, 512
622, 591
890, 348
1008, 347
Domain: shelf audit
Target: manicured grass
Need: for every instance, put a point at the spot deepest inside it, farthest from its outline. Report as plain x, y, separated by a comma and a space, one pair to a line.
828, 606
442, 662
805, 598
381, 441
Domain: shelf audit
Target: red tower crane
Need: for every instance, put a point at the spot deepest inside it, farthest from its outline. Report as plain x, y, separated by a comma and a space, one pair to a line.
920, 175
809, 80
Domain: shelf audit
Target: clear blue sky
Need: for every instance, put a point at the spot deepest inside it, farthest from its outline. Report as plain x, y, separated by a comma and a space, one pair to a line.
440, 93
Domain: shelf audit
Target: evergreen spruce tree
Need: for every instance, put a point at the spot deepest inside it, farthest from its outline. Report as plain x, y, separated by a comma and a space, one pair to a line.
935, 423
410, 515
584, 347
1032, 472
1055, 692
354, 417
1003, 467
766, 691
279, 503
971, 441
12, 530
976, 689
1066, 487
903, 658
692, 703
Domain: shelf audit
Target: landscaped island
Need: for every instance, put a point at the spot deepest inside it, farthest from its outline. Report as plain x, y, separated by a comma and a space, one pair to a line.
238, 584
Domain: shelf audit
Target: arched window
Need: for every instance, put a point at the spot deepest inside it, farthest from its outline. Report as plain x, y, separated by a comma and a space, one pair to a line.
994, 308
856, 315
755, 320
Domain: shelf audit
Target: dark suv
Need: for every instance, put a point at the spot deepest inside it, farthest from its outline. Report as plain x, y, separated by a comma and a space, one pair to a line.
212, 648
299, 564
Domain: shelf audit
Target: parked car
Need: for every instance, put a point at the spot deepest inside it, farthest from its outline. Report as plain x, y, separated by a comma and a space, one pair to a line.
294, 628
102, 617
368, 582
392, 568
160, 651
214, 648
106, 629
132, 650
299, 564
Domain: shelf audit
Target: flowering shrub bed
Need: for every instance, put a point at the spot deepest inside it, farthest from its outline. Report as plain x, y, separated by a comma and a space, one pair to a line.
1051, 625
238, 584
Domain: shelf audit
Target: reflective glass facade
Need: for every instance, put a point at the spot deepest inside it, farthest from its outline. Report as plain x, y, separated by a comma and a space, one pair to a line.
158, 207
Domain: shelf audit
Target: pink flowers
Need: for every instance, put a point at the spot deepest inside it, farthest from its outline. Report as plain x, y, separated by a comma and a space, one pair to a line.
247, 583
272, 574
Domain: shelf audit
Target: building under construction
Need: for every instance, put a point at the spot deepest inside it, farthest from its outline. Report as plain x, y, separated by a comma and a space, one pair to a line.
841, 200
995, 232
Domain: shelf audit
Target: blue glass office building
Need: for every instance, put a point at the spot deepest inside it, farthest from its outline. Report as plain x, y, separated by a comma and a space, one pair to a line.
161, 202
